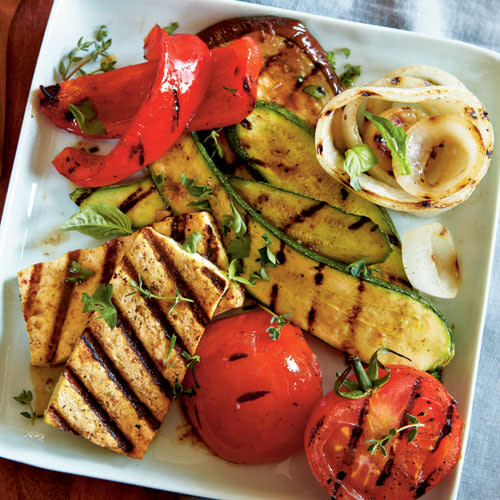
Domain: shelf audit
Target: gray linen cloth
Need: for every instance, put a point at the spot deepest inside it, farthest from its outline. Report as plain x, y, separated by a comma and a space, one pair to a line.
477, 22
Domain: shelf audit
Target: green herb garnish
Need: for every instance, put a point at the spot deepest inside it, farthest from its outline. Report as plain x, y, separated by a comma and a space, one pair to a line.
358, 159
171, 27
394, 138
350, 73
171, 346
315, 91
26, 398
239, 248
85, 53
359, 268
300, 79
86, 117
77, 274
191, 363
99, 221
232, 273
138, 287
101, 301
214, 136
192, 241
267, 257
158, 180
196, 190
382, 443
230, 90
178, 390
277, 322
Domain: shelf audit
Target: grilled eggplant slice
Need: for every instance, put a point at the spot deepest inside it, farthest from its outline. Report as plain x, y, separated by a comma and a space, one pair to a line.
263, 140
292, 61
52, 307
355, 314
119, 382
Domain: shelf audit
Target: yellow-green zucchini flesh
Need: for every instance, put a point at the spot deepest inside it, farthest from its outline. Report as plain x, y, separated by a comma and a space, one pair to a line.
353, 314
315, 224
139, 200
278, 146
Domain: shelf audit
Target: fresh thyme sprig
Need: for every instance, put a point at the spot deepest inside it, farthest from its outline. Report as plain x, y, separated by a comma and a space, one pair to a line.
277, 322
214, 136
191, 363
178, 390
26, 398
375, 444
86, 52
138, 287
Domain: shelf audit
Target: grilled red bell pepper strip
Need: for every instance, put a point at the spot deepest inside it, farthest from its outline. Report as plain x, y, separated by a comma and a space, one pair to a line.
233, 88
116, 96
182, 77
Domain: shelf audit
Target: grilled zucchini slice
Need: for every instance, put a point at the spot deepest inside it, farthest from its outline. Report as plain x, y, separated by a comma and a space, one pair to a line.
355, 314
278, 147
139, 200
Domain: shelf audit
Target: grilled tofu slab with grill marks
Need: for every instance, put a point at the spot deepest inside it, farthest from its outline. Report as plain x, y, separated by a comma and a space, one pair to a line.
52, 307
119, 382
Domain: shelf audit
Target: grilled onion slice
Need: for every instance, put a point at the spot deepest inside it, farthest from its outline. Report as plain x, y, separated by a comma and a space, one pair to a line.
449, 144
430, 260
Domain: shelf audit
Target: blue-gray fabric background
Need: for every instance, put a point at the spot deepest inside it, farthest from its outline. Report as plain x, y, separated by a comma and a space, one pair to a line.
477, 22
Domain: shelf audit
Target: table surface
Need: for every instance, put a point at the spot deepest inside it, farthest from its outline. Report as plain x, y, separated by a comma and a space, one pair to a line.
452, 18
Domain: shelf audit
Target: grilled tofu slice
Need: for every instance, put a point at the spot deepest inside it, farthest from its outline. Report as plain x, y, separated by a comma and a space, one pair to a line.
119, 382
52, 307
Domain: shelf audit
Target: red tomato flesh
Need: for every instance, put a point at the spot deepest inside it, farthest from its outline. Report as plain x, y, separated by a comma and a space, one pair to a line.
339, 428
255, 393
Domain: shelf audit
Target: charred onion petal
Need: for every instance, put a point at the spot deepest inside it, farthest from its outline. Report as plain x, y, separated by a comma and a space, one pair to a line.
430, 260
445, 151
432, 95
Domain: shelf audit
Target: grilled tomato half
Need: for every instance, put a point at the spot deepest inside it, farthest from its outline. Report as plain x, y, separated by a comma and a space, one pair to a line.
393, 433
253, 394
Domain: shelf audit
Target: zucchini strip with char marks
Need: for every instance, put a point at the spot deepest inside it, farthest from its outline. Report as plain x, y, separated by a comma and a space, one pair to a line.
119, 382
352, 314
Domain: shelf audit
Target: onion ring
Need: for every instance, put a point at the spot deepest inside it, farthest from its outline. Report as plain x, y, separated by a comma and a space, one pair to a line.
434, 95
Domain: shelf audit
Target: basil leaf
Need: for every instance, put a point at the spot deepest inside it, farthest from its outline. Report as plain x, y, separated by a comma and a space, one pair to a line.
171, 27
191, 242
86, 117
395, 139
101, 301
99, 221
239, 226
350, 72
358, 159
78, 274
315, 91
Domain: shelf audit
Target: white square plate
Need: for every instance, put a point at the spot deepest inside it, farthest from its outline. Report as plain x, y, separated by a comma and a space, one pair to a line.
38, 202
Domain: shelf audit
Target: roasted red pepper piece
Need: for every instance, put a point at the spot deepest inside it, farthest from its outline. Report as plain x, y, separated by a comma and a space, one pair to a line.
117, 95
180, 83
232, 91
130, 85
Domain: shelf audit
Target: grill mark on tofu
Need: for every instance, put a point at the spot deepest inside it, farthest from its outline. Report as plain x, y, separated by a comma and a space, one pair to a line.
143, 412
59, 420
202, 316
62, 310
216, 280
110, 260
35, 277
136, 197
129, 333
122, 441
178, 228
212, 248
155, 310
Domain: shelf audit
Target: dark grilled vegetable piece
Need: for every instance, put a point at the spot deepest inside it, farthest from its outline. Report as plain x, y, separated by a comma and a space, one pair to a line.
52, 306
353, 314
139, 200
317, 225
292, 61
119, 382
279, 147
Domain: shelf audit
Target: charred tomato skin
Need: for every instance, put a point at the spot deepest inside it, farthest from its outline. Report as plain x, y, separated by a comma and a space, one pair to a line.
255, 394
338, 430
